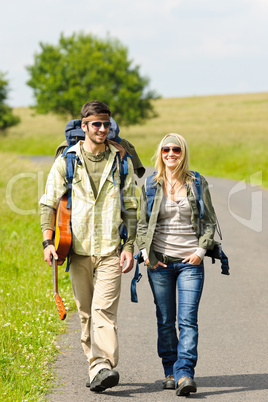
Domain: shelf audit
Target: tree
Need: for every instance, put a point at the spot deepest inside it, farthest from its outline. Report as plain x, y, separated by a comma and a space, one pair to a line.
7, 119
83, 68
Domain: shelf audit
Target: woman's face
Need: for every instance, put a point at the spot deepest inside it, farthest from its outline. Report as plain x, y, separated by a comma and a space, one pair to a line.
171, 154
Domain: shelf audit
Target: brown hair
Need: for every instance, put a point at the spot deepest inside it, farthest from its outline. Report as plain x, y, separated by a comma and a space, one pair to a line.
94, 107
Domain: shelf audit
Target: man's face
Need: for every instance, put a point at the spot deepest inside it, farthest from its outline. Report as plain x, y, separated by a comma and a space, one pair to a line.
96, 128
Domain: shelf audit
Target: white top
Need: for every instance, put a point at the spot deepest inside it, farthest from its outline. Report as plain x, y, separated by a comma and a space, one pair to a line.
174, 235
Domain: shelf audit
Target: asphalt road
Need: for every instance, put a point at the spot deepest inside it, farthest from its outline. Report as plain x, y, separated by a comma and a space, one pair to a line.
233, 347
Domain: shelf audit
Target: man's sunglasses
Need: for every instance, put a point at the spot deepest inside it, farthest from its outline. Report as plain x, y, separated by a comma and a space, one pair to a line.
175, 150
98, 124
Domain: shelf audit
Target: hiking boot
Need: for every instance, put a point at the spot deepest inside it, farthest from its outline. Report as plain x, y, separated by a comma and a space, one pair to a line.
169, 382
104, 379
185, 386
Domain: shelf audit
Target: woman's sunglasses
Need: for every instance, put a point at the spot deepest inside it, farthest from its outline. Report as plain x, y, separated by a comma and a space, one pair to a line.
98, 124
175, 150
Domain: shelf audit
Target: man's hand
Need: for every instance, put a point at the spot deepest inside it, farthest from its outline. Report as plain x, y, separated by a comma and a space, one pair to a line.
128, 256
50, 251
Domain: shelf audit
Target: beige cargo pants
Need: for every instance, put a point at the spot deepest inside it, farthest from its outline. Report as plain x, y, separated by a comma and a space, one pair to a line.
96, 283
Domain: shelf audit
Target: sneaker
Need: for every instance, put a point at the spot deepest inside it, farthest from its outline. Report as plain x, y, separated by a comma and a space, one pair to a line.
185, 386
169, 382
104, 379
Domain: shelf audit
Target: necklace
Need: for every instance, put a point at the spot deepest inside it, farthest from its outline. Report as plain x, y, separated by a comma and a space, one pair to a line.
171, 191
95, 160
179, 189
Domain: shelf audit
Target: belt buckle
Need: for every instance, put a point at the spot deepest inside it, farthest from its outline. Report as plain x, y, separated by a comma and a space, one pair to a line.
165, 259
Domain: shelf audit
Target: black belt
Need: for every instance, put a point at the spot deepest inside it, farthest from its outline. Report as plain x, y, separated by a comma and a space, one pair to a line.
166, 259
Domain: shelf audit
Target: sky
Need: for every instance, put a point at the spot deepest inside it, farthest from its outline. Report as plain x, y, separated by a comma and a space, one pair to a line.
185, 47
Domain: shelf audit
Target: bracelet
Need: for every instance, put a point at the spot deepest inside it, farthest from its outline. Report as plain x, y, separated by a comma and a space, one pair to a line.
47, 243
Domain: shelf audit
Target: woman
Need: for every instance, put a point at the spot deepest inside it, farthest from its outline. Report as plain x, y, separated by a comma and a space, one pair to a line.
173, 243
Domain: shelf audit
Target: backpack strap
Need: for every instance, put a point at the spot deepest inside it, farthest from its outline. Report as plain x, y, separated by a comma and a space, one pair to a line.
123, 169
200, 203
224, 264
136, 278
123, 172
71, 157
150, 190
219, 252
197, 189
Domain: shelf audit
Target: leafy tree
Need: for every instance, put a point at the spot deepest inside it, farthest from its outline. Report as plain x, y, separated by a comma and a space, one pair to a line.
7, 119
82, 68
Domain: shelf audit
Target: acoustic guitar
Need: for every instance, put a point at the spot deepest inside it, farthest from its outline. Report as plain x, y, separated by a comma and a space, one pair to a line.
62, 241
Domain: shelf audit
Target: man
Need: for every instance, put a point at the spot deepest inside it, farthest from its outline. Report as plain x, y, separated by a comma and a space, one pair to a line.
95, 262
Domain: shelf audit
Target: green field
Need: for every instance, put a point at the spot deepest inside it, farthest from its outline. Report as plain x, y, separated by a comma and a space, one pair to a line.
227, 136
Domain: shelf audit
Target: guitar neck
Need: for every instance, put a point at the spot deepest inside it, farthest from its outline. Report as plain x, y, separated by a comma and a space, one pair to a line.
55, 276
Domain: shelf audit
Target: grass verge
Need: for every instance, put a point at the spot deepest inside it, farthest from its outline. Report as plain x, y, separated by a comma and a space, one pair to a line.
28, 315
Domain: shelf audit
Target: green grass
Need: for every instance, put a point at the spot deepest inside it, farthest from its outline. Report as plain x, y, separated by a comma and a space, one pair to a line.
227, 136
28, 315
35, 135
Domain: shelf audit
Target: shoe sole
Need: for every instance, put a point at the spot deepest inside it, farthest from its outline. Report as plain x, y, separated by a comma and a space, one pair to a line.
110, 381
185, 388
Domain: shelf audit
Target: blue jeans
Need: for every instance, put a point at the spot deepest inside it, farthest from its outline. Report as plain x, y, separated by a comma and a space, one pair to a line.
179, 357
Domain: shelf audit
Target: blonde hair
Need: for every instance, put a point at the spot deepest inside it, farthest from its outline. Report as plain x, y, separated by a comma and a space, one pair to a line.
181, 172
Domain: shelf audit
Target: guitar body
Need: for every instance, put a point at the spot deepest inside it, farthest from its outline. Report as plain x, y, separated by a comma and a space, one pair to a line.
63, 242
63, 234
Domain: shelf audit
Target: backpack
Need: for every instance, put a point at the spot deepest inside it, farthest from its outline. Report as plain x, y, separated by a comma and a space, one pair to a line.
216, 253
73, 134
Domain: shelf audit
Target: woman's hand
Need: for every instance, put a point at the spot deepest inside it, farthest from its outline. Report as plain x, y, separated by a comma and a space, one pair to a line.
159, 263
193, 259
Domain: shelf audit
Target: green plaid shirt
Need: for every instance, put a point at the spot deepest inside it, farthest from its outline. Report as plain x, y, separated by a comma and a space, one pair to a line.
95, 221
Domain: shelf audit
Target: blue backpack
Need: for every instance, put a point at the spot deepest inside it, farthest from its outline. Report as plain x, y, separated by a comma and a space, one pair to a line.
216, 253
73, 134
